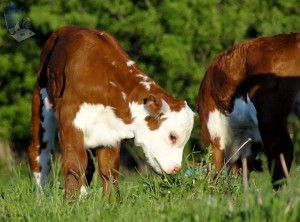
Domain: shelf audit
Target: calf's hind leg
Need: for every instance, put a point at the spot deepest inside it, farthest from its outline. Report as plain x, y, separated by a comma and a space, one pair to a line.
276, 142
272, 125
217, 155
43, 130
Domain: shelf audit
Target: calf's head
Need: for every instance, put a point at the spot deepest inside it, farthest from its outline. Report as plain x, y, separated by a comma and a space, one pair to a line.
162, 132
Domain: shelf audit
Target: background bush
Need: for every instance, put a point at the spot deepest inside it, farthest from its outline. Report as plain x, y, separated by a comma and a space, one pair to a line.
173, 41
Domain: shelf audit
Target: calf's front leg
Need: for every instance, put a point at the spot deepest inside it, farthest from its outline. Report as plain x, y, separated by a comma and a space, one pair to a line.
217, 155
109, 163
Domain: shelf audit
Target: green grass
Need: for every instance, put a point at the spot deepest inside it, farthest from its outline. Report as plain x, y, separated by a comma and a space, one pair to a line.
148, 197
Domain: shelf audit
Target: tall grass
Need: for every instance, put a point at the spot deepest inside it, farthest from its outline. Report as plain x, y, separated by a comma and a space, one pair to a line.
149, 197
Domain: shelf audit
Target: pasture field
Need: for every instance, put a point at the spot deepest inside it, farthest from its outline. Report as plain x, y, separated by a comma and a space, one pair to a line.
148, 197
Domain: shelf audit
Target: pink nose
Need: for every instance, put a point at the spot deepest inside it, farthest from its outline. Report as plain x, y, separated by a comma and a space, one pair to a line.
175, 169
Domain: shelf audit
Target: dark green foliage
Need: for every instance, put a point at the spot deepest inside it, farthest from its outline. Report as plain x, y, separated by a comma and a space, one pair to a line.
173, 41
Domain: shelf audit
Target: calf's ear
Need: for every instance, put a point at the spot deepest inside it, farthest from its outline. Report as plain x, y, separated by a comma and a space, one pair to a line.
156, 106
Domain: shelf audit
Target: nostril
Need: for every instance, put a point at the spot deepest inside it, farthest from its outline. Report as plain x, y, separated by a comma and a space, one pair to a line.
176, 169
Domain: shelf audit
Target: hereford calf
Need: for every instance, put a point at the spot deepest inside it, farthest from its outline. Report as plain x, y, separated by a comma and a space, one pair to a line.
94, 95
248, 92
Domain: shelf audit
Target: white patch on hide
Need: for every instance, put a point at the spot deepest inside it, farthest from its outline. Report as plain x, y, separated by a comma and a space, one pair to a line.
83, 191
38, 180
124, 96
235, 129
217, 126
145, 81
130, 63
112, 83
44, 95
100, 126
49, 125
243, 119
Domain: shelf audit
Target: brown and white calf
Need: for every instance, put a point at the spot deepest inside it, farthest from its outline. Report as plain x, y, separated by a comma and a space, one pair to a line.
94, 95
248, 92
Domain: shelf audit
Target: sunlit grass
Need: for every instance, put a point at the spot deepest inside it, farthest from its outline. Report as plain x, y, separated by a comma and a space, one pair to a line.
149, 197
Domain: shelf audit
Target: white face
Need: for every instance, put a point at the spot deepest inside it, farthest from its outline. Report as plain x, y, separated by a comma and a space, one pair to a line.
164, 146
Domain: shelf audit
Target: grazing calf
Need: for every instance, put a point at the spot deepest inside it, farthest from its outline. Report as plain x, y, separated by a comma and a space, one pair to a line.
248, 92
94, 95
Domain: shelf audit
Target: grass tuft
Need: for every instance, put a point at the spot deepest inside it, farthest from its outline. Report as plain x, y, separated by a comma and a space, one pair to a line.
150, 197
